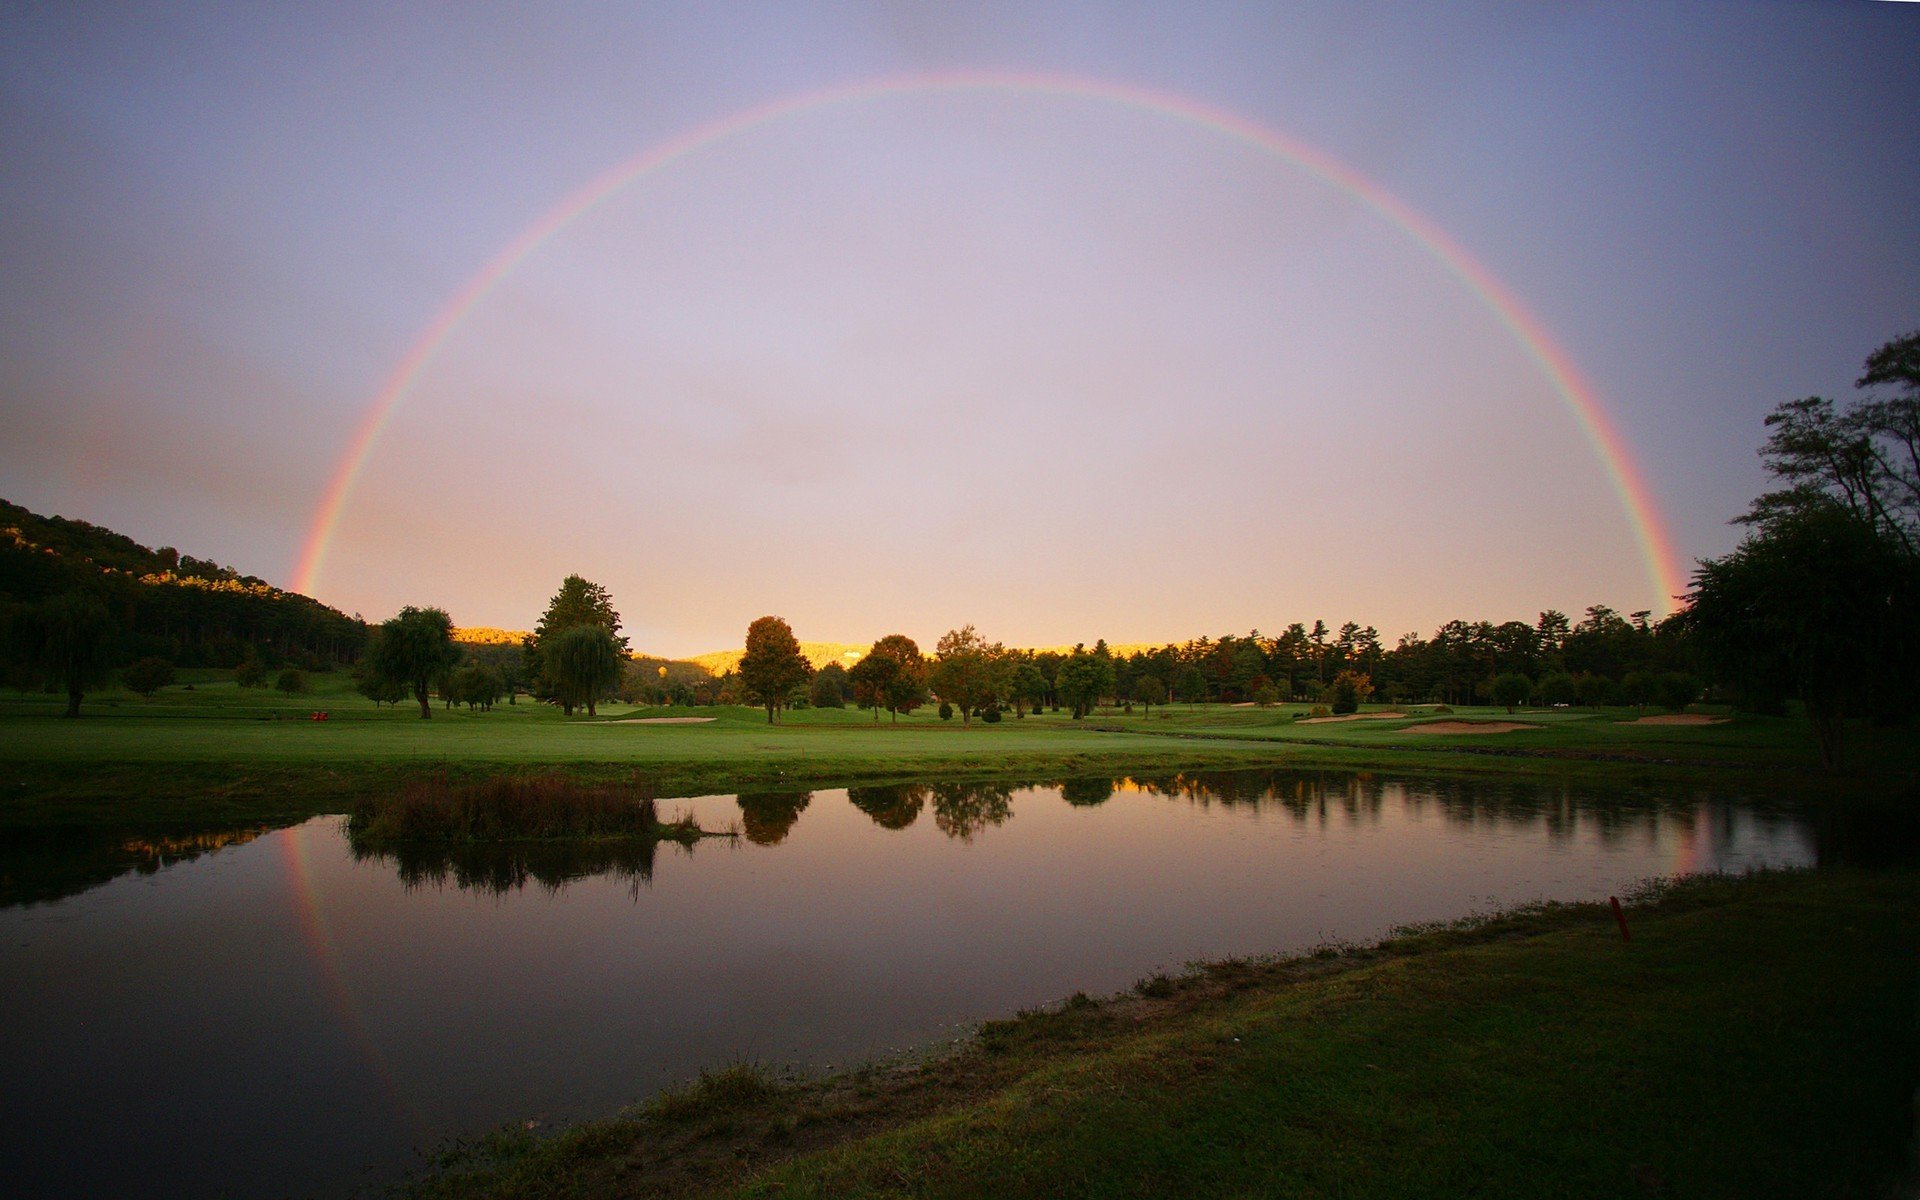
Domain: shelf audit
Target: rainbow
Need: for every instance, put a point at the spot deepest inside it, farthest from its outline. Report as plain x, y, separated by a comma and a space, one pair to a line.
295, 849
1636, 500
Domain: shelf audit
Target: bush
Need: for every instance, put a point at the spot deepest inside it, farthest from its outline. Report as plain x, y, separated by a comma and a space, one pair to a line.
250, 674
1510, 689
1594, 691
991, 714
147, 676
1320, 710
1556, 689
292, 681
1676, 690
1441, 710
946, 711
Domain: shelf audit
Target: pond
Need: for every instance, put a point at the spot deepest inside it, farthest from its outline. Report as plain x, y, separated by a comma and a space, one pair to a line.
267, 1012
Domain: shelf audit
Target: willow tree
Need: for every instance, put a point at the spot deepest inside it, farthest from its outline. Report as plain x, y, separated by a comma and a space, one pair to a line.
581, 664
73, 635
413, 649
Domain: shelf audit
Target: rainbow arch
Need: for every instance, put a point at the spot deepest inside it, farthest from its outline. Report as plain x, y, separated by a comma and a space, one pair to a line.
1636, 499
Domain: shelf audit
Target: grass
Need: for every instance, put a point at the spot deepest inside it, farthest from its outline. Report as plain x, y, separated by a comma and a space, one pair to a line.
220, 754
509, 808
1756, 1038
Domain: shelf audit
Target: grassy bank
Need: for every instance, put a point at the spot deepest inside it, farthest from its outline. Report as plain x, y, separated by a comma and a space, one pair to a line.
1756, 1038
220, 754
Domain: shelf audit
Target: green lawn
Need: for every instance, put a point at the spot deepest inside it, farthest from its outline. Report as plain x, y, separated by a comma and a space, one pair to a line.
1756, 1038
219, 752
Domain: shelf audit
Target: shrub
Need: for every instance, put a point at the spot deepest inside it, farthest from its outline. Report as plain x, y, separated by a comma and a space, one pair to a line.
148, 676
1441, 710
1676, 690
250, 674
292, 681
991, 714
946, 711
1320, 710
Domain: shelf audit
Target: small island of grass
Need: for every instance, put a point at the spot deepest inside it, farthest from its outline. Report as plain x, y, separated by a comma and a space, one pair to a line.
514, 808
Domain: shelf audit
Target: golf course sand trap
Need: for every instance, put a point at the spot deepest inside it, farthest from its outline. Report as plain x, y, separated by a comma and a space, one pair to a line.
1469, 727
1385, 716
663, 721
1679, 719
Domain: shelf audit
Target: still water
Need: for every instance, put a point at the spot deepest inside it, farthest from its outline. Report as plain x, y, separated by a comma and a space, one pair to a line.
266, 1012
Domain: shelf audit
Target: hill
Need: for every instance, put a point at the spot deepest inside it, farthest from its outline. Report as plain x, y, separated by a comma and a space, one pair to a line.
192, 611
719, 662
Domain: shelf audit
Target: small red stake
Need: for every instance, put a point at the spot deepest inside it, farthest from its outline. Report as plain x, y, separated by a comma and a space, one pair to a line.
1620, 918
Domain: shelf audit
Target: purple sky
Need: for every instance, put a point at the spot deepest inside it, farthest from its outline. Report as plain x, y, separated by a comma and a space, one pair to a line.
1060, 368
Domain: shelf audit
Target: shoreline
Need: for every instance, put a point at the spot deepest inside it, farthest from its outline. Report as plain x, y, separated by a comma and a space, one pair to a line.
1536, 1023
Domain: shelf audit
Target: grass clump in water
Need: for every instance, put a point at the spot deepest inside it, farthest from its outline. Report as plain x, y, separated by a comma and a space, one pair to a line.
511, 808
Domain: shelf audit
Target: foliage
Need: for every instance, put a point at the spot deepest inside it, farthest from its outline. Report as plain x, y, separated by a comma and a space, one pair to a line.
1556, 688
414, 648
72, 633
1819, 605
476, 684
147, 676
1865, 458
292, 682
251, 673
1084, 677
829, 687
1348, 692
1149, 691
892, 675
968, 671
581, 664
946, 711
191, 611
380, 689
1511, 689
578, 602
772, 666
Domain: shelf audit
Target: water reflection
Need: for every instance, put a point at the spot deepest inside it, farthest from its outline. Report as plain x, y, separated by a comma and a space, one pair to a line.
502, 867
767, 817
893, 806
40, 868
965, 810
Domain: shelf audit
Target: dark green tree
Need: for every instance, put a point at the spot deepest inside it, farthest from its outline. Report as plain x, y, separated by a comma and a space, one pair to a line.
1083, 679
414, 648
147, 676
73, 634
582, 664
829, 687
1511, 689
1817, 604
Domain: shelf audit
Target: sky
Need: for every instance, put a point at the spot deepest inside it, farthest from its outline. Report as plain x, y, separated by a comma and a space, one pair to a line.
1122, 321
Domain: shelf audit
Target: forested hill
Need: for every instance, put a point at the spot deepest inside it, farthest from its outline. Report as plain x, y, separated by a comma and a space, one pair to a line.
191, 611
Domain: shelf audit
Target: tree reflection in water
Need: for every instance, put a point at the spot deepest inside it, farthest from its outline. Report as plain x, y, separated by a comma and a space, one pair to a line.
965, 810
767, 817
893, 806
502, 867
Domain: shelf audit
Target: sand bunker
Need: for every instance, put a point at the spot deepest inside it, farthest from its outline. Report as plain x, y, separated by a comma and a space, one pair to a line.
1469, 727
1385, 716
663, 721
1680, 719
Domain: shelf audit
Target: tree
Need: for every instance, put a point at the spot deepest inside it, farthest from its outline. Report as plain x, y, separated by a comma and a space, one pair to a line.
892, 675
250, 673
1865, 459
1149, 691
1818, 604
829, 687
1348, 691
1026, 687
1511, 689
1556, 689
773, 665
581, 664
292, 681
967, 670
147, 676
414, 648
73, 633
578, 602
1084, 678
381, 689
